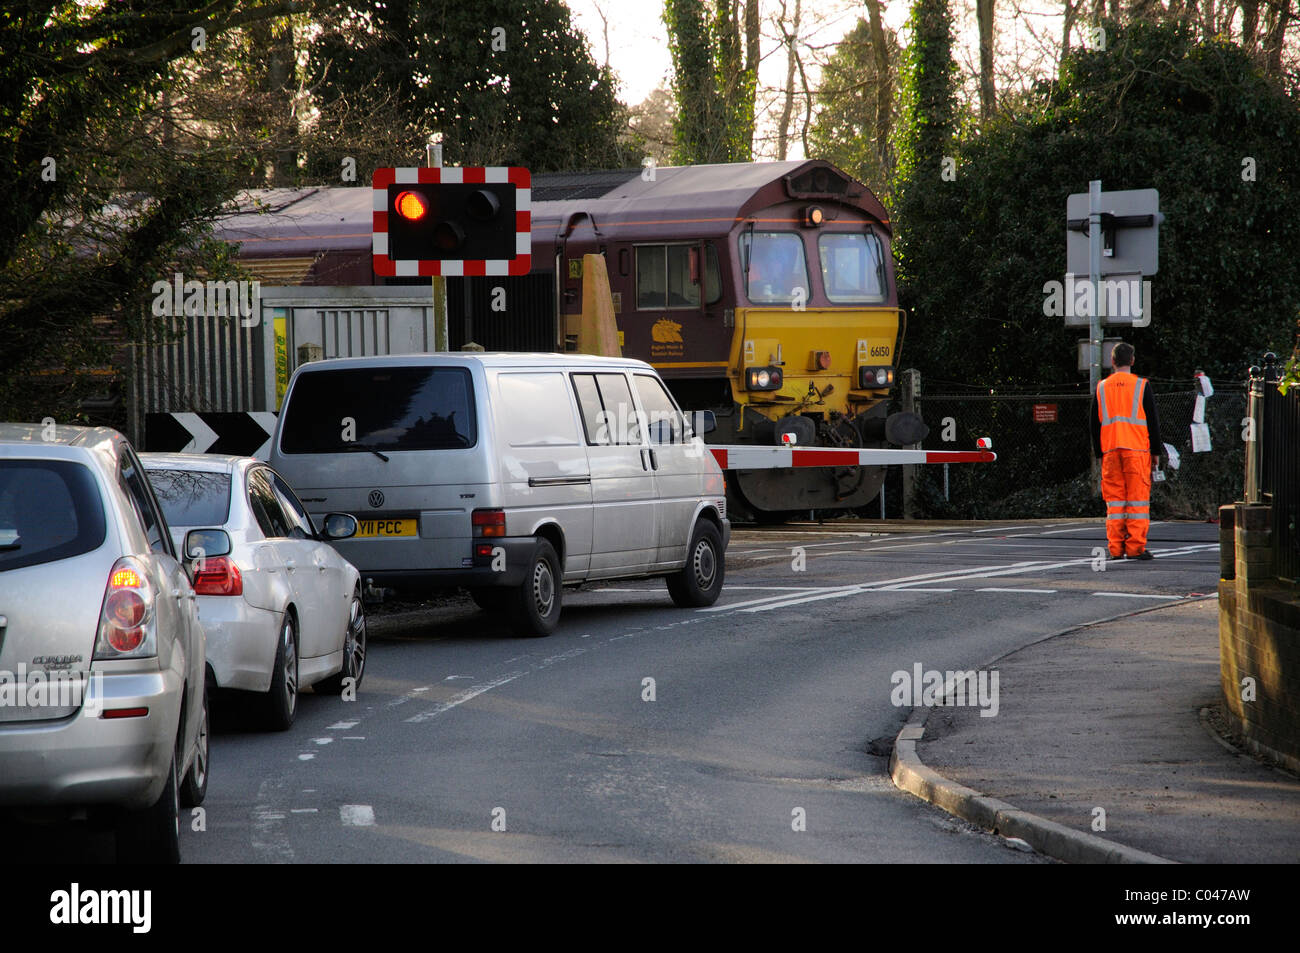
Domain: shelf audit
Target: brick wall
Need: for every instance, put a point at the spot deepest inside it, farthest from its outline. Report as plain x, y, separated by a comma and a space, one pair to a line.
1259, 636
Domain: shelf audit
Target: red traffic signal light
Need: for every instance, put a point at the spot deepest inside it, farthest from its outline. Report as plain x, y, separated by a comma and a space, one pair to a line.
452, 221
411, 206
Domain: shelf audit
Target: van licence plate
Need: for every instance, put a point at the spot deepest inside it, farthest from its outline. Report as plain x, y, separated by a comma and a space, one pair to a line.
405, 527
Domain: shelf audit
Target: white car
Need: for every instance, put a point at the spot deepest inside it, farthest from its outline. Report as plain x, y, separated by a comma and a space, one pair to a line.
281, 608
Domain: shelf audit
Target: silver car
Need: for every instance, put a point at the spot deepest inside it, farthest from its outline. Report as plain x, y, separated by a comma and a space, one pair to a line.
103, 705
282, 609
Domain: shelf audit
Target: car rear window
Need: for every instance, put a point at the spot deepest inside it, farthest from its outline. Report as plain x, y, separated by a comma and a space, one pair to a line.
49, 510
389, 408
192, 498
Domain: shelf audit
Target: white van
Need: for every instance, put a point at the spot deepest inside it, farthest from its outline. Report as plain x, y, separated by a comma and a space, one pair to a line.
507, 474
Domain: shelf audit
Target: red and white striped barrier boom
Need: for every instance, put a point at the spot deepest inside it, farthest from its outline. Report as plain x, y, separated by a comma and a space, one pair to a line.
780, 458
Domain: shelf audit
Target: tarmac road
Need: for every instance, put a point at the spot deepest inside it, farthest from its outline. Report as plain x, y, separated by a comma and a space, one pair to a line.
764, 712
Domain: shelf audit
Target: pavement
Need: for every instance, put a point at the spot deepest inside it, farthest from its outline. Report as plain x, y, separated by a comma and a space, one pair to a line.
1103, 749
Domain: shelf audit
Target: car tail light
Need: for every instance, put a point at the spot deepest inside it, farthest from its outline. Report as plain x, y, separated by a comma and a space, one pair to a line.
218, 577
126, 619
489, 522
763, 378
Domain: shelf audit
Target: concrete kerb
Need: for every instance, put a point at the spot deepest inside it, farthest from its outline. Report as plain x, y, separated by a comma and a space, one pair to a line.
910, 774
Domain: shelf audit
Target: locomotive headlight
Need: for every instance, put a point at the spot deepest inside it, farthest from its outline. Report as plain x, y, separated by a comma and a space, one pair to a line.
871, 377
763, 378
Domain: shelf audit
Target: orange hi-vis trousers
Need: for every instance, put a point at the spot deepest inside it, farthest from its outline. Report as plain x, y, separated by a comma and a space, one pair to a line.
1126, 485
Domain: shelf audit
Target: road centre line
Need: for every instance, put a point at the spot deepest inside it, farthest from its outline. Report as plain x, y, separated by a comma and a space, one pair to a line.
1035, 591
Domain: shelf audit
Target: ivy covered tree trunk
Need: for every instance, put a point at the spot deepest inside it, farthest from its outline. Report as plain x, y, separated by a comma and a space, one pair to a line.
715, 76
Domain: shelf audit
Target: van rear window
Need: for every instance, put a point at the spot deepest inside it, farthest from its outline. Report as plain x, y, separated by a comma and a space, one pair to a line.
381, 408
49, 510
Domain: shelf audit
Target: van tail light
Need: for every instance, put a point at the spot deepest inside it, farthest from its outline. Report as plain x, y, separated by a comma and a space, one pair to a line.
489, 522
126, 619
219, 577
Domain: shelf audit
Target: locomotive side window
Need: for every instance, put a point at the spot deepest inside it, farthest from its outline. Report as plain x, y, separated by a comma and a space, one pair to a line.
777, 271
853, 267
664, 279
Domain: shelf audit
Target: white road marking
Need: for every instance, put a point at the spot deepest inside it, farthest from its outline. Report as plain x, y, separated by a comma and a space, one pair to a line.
306, 757
470, 693
269, 838
354, 738
912, 589
996, 589
1001, 529
342, 726
303, 810
1136, 595
321, 741
980, 572
1092, 527
357, 815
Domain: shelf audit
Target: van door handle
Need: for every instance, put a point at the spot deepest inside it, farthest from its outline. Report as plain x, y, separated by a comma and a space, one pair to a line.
654, 461
643, 463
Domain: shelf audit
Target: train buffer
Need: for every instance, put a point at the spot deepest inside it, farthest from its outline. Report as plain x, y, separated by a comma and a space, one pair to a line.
784, 457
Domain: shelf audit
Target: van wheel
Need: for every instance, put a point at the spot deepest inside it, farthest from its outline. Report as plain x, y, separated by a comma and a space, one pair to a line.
536, 609
699, 582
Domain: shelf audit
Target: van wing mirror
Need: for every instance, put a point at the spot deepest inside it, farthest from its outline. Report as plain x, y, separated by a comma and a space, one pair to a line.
703, 421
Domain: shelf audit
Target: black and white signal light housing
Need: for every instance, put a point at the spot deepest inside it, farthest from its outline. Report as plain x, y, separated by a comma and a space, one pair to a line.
451, 221
874, 377
763, 378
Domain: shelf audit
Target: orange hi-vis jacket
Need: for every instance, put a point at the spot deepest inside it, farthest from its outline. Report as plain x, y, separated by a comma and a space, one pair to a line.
1123, 418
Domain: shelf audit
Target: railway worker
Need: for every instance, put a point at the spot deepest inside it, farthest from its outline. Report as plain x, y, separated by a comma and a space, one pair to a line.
1126, 435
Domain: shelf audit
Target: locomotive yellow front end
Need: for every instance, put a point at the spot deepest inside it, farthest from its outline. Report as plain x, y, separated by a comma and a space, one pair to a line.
812, 377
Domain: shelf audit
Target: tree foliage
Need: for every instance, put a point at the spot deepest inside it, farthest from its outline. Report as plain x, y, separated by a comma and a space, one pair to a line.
107, 193
1197, 120
505, 82
846, 129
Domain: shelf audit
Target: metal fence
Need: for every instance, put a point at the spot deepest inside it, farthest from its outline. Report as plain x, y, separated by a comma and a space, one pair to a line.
1273, 463
1044, 458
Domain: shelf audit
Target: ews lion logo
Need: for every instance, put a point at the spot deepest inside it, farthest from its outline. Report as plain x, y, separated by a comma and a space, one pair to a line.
666, 332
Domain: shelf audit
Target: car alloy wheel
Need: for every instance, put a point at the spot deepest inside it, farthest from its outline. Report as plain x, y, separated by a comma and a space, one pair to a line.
290, 666
354, 644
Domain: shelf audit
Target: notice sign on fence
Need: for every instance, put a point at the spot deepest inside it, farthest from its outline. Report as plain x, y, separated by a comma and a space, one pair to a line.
1044, 413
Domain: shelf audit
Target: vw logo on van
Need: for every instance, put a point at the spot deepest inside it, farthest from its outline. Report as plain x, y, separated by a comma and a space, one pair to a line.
376, 498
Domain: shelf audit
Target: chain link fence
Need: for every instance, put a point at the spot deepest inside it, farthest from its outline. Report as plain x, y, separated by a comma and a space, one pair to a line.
1044, 457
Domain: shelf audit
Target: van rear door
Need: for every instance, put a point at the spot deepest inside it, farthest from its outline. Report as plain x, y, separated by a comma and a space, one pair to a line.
399, 446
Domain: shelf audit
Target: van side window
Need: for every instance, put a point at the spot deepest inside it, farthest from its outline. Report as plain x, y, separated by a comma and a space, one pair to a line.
536, 411
666, 425
608, 414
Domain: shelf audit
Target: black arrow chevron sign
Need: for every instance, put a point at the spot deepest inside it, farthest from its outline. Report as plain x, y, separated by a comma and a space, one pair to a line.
242, 434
